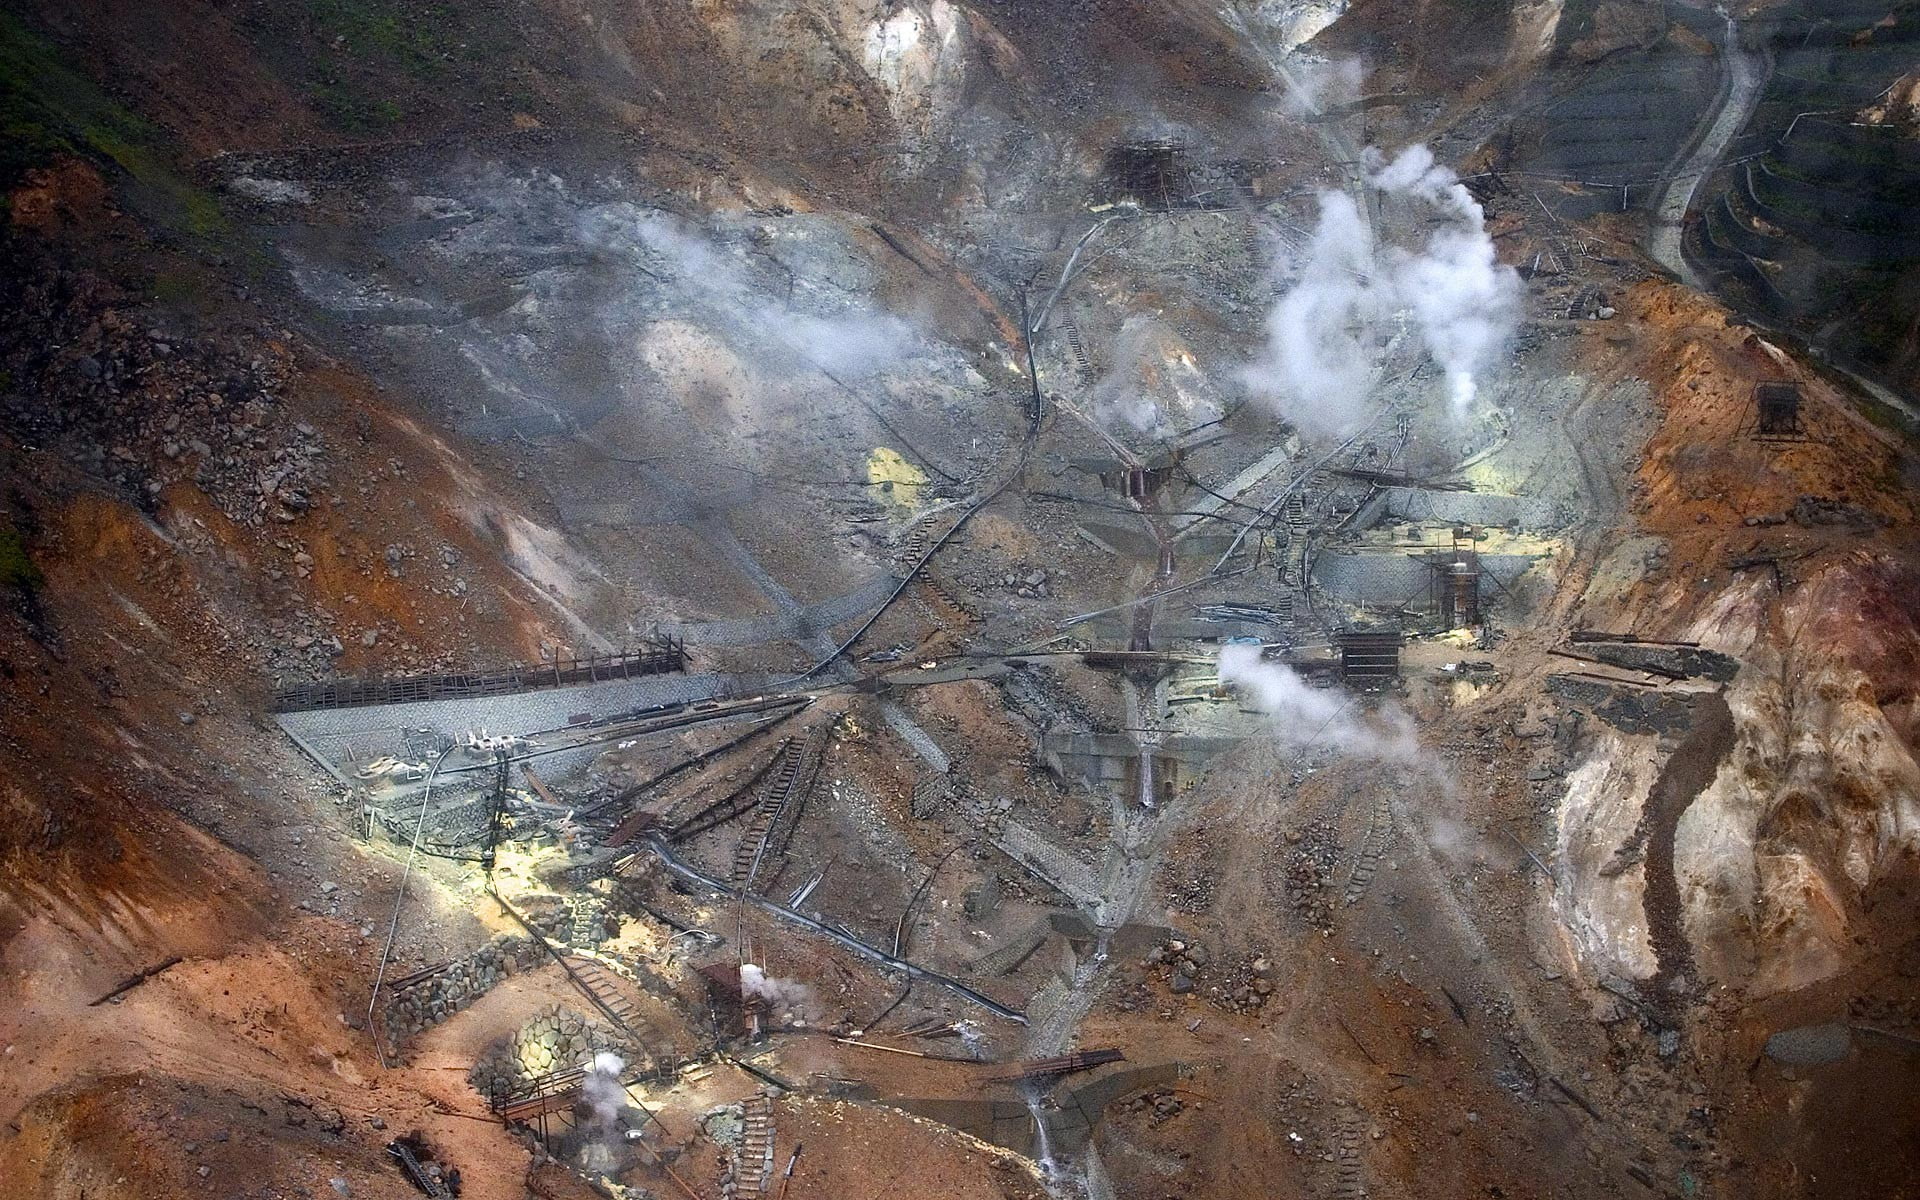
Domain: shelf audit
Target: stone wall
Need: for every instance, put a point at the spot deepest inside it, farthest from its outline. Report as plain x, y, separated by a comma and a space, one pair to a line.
427, 999
557, 1039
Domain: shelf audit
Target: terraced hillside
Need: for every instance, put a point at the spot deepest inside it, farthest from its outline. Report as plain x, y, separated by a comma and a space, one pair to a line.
1814, 219
1622, 104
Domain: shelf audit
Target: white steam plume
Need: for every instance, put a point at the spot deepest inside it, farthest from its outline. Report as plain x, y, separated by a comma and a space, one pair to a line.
1317, 364
1305, 716
849, 344
971, 1038
602, 1090
1153, 385
1121, 395
1314, 86
1466, 301
852, 340
607, 1098
781, 995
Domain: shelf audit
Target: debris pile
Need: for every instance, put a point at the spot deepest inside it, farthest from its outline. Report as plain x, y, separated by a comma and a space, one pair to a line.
1312, 852
1159, 1107
1179, 963
143, 408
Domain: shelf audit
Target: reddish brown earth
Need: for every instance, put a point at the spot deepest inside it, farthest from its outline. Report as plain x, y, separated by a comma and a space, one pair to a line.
130, 834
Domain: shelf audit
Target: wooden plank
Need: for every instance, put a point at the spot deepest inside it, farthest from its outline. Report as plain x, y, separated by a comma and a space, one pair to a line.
534, 1107
1066, 1064
134, 981
539, 787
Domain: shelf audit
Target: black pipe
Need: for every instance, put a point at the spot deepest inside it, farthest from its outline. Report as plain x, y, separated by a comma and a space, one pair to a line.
673, 863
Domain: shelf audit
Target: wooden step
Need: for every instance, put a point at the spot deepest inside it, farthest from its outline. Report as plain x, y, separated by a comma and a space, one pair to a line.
1079, 350
795, 776
752, 1156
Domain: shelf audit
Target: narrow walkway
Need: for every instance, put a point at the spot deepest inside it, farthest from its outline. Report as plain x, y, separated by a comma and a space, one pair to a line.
1745, 72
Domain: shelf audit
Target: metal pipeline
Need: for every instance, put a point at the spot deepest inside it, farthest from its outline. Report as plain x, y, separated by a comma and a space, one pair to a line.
679, 867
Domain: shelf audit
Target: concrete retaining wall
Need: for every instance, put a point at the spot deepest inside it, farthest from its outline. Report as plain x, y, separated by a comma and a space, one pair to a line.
1387, 579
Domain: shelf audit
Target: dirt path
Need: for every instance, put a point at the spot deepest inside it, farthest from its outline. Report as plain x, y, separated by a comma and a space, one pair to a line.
1745, 71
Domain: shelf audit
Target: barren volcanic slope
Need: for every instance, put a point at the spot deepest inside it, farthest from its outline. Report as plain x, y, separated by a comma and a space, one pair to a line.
959, 598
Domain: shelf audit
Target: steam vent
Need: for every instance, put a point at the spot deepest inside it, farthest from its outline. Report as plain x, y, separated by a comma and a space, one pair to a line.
960, 600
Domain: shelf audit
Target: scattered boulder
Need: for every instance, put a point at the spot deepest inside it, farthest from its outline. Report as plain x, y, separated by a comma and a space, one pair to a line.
1816, 511
1810, 1045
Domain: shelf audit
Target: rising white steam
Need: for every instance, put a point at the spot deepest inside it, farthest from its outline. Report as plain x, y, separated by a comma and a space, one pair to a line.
1305, 716
1317, 361
1316, 368
1120, 397
1313, 86
1466, 301
1153, 385
607, 1099
846, 338
971, 1039
783, 996
602, 1089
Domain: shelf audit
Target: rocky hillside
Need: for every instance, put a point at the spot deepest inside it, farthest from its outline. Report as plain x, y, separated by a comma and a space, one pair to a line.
356, 337
1813, 223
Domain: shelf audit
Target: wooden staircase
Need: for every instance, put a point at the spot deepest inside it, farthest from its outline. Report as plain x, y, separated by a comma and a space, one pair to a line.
789, 782
748, 851
735, 803
583, 927
1373, 848
943, 605
614, 997
1079, 349
916, 543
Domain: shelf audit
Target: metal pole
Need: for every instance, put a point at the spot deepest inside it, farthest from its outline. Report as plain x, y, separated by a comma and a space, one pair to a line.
393, 927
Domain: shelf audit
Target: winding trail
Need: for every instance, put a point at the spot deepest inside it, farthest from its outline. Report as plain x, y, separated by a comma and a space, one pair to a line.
1744, 72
